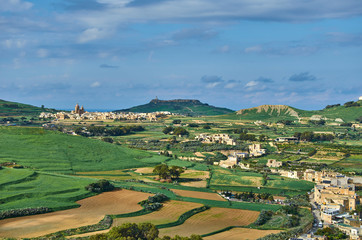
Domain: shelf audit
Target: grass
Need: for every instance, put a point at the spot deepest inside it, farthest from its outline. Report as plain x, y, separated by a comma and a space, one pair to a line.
350, 164
54, 151
18, 109
231, 180
32, 189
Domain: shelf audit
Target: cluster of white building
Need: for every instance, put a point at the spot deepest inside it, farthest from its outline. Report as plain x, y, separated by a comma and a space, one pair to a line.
105, 115
216, 138
235, 159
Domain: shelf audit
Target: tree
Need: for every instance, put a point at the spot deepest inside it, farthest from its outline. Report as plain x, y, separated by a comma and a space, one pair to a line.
176, 121
176, 171
167, 130
162, 171
180, 131
263, 138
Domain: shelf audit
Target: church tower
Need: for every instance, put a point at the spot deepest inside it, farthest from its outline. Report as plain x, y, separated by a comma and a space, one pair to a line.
76, 109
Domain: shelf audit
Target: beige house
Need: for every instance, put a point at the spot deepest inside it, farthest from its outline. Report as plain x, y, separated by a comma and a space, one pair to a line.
255, 150
274, 163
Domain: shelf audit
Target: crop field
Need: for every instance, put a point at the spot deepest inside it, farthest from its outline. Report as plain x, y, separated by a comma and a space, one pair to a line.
224, 178
352, 163
202, 195
24, 188
241, 234
91, 211
212, 220
169, 212
55, 151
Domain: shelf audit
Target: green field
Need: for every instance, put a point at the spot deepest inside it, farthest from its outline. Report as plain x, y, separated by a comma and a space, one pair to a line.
224, 179
18, 109
54, 151
24, 188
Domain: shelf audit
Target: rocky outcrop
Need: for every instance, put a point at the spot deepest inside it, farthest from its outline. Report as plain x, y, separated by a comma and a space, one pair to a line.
272, 109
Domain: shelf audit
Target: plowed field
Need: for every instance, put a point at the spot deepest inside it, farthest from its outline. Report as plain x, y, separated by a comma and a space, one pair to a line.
212, 220
91, 211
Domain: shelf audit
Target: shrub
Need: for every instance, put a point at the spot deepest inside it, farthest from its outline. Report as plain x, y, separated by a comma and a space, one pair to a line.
23, 212
264, 216
100, 186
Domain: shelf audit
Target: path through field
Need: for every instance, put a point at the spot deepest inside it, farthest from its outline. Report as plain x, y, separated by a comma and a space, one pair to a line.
91, 211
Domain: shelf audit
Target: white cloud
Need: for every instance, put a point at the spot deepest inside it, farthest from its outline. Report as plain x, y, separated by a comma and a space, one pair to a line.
14, 5
13, 43
251, 84
91, 34
95, 84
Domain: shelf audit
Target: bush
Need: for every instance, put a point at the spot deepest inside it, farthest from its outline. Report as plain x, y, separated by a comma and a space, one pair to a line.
264, 216
100, 186
23, 212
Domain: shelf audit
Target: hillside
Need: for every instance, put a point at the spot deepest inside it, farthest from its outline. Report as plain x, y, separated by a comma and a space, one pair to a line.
180, 106
283, 112
47, 150
18, 109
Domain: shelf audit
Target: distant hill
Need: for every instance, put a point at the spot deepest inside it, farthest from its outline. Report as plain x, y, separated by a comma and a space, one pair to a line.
18, 109
346, 113
189, 107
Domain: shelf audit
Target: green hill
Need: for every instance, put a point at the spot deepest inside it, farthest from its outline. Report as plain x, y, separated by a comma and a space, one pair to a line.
18, 109
54, 151
283, 112
180, 106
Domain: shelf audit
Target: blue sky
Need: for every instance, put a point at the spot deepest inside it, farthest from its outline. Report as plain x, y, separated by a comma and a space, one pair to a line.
114, 54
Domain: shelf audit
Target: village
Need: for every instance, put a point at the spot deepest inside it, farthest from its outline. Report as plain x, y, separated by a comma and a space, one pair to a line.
80, 114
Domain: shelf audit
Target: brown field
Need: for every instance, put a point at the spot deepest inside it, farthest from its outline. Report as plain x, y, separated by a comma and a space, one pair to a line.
144, 170
202, 195
198, 154
170, 212
91, 211
212, 220
199, 184
241, 234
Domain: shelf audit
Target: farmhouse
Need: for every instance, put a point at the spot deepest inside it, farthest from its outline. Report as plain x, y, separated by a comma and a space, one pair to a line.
216, 138
274, 163
255, 150
233, 160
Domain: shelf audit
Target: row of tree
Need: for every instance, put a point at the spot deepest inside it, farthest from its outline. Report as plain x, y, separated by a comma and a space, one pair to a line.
312, 137
103, 131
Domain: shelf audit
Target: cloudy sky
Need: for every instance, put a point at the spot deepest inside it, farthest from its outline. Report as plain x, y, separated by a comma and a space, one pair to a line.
113, 54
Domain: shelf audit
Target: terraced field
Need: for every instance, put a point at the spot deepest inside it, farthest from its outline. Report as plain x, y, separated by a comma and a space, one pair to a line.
212, 220
91, 211
24, 188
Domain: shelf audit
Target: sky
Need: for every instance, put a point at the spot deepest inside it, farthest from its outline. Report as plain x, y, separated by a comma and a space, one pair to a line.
115, 54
